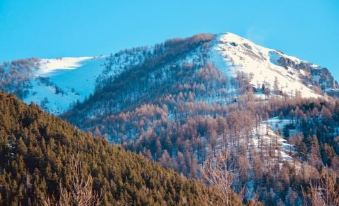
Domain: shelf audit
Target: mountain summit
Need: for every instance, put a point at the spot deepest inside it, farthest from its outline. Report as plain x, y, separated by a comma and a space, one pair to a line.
273, 68
57, 84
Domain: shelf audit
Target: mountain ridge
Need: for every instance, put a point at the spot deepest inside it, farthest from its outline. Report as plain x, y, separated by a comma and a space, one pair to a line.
230, 53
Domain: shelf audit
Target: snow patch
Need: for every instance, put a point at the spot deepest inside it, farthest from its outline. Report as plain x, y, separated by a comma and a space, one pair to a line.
50, 65
265, 135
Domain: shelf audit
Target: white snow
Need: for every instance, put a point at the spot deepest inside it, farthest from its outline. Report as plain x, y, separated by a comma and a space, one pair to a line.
50, 65
303, 72
260, 64
264, 135
65, 81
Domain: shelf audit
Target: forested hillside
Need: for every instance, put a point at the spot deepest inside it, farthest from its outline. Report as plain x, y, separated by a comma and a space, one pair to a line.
182, 109
46, 161
216, 108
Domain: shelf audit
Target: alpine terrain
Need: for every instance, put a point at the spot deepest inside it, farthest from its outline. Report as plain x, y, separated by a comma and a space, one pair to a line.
215, 108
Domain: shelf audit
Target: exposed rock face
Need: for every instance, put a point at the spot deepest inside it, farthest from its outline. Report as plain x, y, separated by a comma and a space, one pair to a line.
313, 75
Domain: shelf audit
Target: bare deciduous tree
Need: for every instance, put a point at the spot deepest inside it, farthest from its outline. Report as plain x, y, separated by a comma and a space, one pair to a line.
324, 192
217, 171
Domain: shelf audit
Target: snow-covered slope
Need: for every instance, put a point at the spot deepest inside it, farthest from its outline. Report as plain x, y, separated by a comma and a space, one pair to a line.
268, 67
56, 84
47, 66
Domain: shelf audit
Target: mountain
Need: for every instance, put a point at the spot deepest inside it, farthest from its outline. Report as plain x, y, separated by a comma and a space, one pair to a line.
44, 159
57, 84
54, 84
269, 119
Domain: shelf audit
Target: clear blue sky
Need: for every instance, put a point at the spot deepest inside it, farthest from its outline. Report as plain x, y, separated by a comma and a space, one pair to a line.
308, 29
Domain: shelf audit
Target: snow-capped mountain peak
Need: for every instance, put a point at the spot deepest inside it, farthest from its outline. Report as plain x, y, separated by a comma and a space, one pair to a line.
57, 83
267, 67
